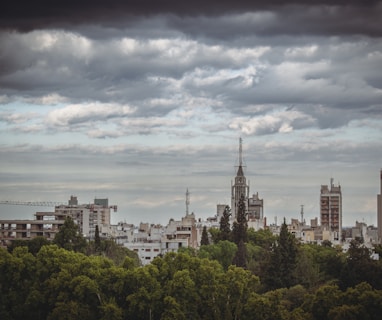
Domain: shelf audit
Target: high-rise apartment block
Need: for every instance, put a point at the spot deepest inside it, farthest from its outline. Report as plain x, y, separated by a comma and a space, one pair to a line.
379, 210
331, 209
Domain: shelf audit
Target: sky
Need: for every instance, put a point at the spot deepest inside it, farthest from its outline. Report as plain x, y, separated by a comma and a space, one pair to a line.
136, 101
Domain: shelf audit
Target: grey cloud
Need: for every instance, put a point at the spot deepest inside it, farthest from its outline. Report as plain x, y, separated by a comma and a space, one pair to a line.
26, 15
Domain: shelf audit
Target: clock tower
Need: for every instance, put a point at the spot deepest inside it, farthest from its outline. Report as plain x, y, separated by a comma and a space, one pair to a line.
240, 187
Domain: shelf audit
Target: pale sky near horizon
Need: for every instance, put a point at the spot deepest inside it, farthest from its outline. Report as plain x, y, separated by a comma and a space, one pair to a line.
140, 100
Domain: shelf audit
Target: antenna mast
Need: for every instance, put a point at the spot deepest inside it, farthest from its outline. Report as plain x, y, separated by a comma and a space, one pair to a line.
187, 201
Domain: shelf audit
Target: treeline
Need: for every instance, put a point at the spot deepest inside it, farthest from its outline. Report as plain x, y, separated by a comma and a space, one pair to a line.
278, 278
60, 284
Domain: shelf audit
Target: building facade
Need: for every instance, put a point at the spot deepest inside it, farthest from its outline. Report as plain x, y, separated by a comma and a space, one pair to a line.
331, 209
47, 224
87, 216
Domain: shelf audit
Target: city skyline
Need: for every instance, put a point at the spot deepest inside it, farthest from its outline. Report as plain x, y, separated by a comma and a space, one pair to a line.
140, 102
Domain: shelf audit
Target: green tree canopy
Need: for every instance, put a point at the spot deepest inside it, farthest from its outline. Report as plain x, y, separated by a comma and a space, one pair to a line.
69, 236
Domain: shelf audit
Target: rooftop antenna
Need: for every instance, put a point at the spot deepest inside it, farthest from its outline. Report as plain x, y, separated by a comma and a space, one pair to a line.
302, 214
187, 201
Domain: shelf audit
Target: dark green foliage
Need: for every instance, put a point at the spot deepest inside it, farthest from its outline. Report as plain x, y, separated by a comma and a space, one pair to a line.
263, 238
69, 236
360, 267
60, 284
225, 227
215, 234
117, 253
33, 245
223, 252
204, 241
240, 259
281, 269
240, 236
240, 226
97, 239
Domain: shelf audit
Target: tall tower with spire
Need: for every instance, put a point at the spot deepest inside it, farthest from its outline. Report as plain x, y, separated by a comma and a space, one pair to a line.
240, 187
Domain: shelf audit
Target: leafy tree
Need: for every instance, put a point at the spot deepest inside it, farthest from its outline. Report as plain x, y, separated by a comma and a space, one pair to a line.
173, 310
143, 293
223, 252
204, 241
34, 245
69, 236
306, 272
182, 287
239, 284
111, 311
360, 267
326, 298
215, 234
263, 238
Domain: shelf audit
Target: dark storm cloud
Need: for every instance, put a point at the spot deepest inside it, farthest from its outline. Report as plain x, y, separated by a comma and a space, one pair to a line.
321, 16
161, 56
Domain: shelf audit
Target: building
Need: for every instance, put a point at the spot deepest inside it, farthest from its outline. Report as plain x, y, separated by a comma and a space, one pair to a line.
254, 206
331, 209
240, 187
379, 210
47, 224
87, 216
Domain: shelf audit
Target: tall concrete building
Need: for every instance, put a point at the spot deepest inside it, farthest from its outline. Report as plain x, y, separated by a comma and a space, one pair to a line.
240, 187
379, 210
331, 209
87, 216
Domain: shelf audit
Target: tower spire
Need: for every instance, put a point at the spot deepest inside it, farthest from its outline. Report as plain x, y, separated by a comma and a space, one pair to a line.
240, 151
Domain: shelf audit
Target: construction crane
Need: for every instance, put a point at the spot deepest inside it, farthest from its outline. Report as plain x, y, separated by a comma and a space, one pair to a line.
43, 204
33, 203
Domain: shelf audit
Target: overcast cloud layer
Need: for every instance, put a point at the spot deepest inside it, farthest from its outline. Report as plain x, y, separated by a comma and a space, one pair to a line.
140, 100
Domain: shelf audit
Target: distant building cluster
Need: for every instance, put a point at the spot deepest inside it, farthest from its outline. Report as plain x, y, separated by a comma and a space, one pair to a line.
151, 240
47, 224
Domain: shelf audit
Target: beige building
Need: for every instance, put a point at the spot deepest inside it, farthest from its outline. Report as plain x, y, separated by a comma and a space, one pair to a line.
46, 224
87, 216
